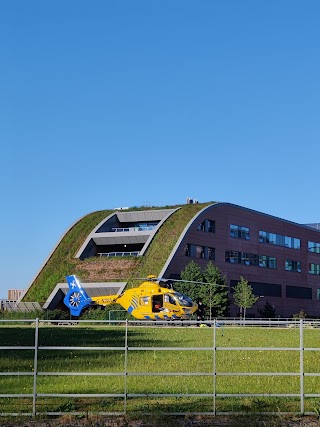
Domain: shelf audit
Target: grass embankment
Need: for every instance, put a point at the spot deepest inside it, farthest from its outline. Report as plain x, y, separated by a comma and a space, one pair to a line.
62, 261
109, 366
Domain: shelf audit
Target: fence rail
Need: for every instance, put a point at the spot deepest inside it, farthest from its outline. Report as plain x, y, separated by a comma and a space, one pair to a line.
213, 350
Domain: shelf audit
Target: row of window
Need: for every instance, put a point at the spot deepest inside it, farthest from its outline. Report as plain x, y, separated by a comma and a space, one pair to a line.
279, 240
244, 258
241, 232
237, 257
197, 251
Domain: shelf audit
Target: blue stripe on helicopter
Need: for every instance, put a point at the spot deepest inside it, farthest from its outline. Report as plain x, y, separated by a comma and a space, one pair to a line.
134, 304
130, 309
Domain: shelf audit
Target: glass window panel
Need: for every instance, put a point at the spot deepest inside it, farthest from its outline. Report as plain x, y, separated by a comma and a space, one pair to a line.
314, 247
262, 261
263, 236
211, 253
199, 252
287, 242
314, 269
233, 230
272, 262
288, 265
296, 243
211, 226
278, 239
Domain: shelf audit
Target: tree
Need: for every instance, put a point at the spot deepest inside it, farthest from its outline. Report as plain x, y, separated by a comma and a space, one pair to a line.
268, 311
191, 273
212, 296
217, 297
243, 295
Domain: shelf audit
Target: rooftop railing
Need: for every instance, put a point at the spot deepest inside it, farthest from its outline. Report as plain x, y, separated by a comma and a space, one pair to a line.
125, 229
120, 254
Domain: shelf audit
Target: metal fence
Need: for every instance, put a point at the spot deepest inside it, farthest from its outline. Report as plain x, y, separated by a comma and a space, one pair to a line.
217, 327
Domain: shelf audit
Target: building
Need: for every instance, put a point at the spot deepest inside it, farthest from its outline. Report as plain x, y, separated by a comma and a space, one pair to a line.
15, 294
279, 258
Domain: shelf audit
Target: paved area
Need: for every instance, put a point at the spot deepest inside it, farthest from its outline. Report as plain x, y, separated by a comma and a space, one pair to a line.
218, 421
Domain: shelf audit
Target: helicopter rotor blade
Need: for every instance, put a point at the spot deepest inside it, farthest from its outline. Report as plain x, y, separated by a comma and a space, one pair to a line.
192, 281
163, 279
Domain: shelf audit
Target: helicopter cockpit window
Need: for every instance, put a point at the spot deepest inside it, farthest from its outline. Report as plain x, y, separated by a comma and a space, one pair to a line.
169, 299
183, 300
144, 300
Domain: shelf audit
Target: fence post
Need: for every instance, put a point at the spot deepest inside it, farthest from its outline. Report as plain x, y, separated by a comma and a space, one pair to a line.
214, 366
35, 367
301, 369
126, 368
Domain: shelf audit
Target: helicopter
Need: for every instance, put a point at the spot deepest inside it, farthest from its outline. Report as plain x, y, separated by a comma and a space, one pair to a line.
149, 301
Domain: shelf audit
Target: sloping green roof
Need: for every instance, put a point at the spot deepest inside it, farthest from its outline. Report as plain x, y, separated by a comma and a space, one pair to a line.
62, 261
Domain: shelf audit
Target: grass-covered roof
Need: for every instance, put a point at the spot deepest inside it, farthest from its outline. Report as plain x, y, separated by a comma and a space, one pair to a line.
62, 261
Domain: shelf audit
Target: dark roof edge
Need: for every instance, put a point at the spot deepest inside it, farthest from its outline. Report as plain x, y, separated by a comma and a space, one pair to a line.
264, 214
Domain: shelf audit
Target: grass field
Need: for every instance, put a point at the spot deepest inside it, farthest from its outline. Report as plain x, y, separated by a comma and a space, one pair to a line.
159, 361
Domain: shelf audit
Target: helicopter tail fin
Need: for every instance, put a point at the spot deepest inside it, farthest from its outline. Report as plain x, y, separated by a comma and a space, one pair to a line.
76, 298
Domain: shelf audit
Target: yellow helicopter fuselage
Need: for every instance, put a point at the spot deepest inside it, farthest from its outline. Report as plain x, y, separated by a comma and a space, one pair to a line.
150, 301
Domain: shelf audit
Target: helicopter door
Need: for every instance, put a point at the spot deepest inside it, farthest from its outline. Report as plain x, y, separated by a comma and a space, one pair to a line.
157, 303
170, 303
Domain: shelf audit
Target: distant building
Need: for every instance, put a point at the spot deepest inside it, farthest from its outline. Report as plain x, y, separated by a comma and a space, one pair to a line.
15, 294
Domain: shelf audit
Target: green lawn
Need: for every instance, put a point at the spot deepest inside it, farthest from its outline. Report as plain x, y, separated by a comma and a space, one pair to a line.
193, 368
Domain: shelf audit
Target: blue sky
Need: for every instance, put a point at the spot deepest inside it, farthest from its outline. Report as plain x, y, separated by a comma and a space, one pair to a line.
126, 103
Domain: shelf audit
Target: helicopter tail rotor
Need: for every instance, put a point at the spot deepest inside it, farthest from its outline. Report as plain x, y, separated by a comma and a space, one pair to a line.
76, 299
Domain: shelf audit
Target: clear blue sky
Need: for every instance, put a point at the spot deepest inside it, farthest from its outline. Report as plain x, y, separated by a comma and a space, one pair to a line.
125, 103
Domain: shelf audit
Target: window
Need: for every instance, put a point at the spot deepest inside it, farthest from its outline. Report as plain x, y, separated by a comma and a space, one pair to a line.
197, 251
263, 261
239, 232
207, 225
210, 253
314, 269
318, 294
293, 266
249, 259
272, 262
261, 288
314, 247
201, 227
168, 298
211, 226
144, 300
296, 243
266, 261
279, 240
298, 292
235, 257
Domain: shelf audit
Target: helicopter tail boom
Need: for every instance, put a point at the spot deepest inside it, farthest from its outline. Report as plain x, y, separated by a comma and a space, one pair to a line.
105, 300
